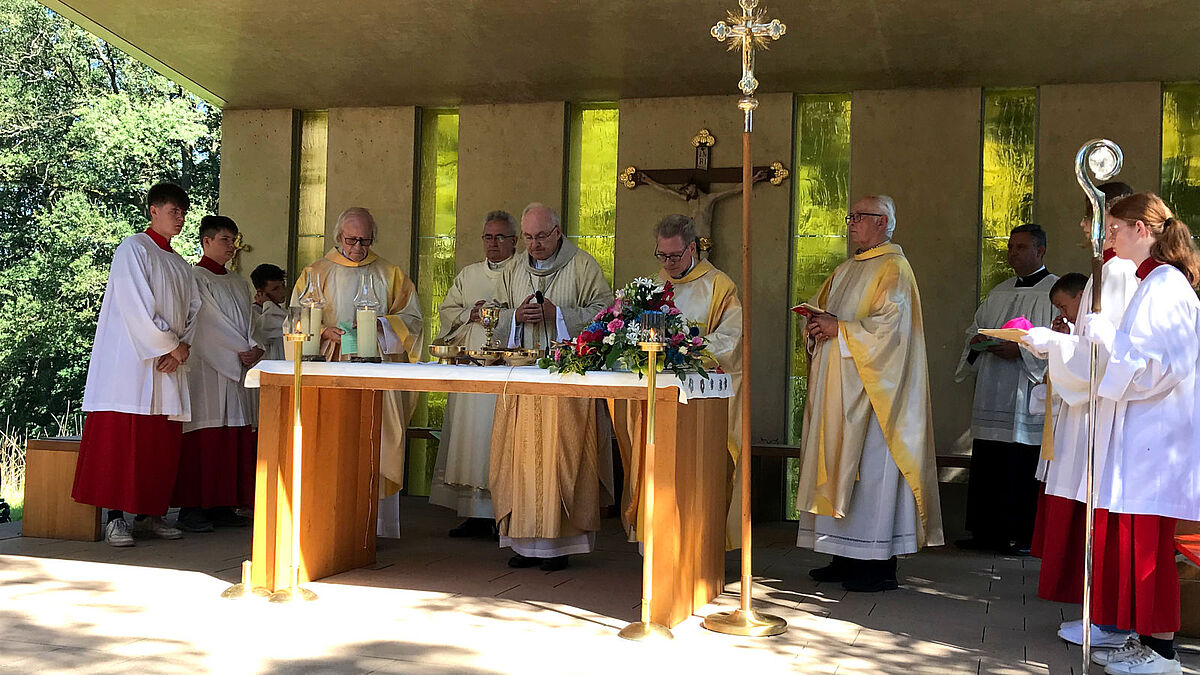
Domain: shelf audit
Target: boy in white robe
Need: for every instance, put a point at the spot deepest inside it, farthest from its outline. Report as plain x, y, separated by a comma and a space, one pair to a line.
136, 396
270, 294
218, 455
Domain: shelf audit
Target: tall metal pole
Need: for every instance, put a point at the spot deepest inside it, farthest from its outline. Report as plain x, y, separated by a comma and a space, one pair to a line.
747, 31
1104, 159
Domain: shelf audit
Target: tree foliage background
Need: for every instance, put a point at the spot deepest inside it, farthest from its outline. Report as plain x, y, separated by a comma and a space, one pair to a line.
85, 130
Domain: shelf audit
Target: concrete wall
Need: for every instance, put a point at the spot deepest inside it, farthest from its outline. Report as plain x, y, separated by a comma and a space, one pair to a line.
1070, 115
656, 133
922, 147
256, 182
508, 156
370, 159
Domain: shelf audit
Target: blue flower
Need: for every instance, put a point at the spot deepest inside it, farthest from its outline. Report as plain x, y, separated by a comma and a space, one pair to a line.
596, 326
694, 331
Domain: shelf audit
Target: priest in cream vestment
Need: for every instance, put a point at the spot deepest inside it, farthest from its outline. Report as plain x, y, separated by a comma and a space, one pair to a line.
868, 485
546, 454
708, 298
339, 275
460, 475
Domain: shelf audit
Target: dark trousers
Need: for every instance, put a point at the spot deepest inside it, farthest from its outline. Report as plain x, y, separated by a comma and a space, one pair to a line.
1002, 492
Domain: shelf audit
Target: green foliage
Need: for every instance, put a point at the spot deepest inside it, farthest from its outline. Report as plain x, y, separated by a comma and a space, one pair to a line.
85, 130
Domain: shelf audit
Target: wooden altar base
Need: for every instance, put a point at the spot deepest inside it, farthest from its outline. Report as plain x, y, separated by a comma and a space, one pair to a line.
340, 478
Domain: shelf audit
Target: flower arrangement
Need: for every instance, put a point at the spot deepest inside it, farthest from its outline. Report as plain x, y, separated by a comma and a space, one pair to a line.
610, 342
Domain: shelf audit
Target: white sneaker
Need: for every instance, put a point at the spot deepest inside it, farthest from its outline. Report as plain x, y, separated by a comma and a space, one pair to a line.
1101, 639
1149, 662
155, 526
116, 533
1132, 647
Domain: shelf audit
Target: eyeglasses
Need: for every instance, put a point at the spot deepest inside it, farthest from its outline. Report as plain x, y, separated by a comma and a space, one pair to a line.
670, 257
498, 238
358, 241
539, 237
855, 217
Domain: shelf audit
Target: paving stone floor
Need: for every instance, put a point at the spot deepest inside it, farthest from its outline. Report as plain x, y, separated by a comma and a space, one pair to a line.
437, 605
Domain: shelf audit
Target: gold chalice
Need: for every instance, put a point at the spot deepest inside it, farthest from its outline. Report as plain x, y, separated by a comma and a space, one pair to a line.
445, 353
488, 318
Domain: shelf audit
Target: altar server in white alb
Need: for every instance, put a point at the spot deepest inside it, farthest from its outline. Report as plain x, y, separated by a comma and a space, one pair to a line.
1151, 472
1002, 489
218, 458
460, 475
398, 335
868, 484
136, 397
270, 304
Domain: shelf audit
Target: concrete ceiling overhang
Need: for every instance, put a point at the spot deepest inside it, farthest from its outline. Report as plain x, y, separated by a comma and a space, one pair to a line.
311, 55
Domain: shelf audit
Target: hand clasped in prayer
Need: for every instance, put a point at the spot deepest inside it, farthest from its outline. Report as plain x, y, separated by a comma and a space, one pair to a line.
530, 311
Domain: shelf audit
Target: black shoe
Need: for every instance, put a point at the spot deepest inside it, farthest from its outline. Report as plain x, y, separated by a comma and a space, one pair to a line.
474, 527
520, 562
836, 570
224, 516
872, 576
554, 564
870, 585
192, 519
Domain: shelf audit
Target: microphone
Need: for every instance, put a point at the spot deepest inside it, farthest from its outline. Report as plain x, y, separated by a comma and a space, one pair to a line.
541, 301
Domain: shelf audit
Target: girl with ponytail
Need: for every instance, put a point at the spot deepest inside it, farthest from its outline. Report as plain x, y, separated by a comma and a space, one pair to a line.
1150, 475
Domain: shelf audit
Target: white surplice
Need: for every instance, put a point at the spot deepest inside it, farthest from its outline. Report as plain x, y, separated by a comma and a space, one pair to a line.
270, 319
224, 327
460, 474
1068, 358
1153, 463
150, 306
1003, 386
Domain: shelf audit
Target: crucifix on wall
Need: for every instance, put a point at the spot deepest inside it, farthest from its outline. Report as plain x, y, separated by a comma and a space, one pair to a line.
694, 186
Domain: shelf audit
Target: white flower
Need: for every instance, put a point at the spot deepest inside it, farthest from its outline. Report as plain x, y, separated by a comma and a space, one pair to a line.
683, 350
610, 339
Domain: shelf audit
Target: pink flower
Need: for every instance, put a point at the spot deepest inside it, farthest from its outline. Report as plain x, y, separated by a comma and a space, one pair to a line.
697, 341
615, 325
675, 311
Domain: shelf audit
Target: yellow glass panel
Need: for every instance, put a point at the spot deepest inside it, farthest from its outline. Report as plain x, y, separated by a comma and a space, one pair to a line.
310, 221
591, 216
1009, 139
820, 186
1181, 152
437, 218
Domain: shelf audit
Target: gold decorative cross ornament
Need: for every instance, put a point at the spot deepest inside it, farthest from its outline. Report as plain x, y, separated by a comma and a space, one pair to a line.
749, 32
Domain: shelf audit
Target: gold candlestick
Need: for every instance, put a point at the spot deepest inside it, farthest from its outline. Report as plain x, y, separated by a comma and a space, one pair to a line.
294, 593
245, 589
647, 629
746, 31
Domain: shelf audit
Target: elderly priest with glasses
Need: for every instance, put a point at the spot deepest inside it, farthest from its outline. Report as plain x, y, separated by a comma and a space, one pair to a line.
339, 277
547, 455
709, 299
868, 485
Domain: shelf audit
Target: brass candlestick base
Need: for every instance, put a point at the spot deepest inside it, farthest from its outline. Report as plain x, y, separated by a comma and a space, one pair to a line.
652, 632
244, 589
746, 624
292, 595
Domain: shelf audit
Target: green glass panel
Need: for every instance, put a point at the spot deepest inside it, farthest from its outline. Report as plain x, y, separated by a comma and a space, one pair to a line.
820, 184
436, 220
591, 216
1181, 152
1009, 141
310, 216
993, 262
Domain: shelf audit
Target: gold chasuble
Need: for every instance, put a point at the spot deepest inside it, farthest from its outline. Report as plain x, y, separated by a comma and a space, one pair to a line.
544, 477
876, 369
707, 297
400, 331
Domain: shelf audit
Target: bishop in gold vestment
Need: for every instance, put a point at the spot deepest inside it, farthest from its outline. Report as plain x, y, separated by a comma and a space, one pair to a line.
545, 473
707, 297
868, 485
399, 332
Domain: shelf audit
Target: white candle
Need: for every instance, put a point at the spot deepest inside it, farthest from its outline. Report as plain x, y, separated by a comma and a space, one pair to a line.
365, 319
312, 346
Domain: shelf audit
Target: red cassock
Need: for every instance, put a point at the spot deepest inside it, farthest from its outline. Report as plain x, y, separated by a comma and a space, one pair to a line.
127, 462
1135, 584
1058, 540
216, 468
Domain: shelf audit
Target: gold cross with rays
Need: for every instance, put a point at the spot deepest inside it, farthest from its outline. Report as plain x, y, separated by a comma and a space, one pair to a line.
748, 31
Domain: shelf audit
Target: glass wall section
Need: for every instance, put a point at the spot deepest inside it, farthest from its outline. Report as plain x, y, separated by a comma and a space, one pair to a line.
434, 256
591, 216
1009, 158
820, 184
310, 221
1181, 152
